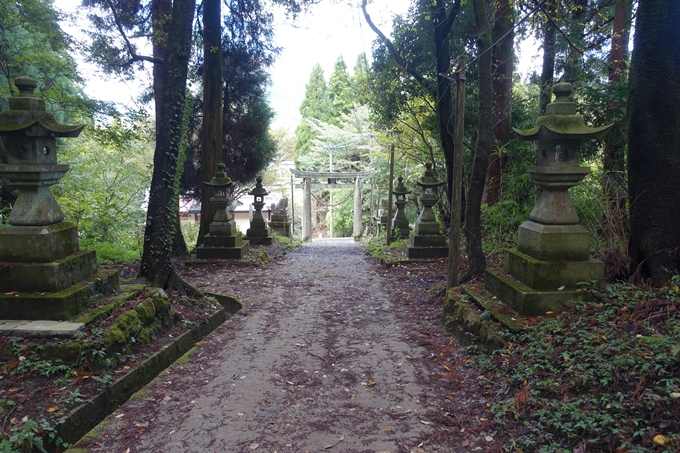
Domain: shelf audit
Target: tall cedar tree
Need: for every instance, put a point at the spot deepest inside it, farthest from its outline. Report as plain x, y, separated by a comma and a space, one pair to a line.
654, 141
315, 105
211, 132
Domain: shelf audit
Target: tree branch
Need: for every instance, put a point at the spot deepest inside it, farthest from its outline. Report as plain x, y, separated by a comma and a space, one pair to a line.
392, 50
134, 57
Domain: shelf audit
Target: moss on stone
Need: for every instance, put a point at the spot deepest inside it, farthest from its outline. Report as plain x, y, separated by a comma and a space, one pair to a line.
68, 352
113, 336
146, 311
129, 323
162, 304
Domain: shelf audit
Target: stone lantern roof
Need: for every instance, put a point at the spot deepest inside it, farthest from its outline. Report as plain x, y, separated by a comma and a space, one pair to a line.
428, 179
259, 191
401, 188
27, 116
561, 120
220, 179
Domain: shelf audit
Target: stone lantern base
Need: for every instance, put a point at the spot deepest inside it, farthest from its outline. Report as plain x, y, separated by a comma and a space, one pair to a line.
541, 275
222, 247
45, 276
427, 246
280, 224
258, 236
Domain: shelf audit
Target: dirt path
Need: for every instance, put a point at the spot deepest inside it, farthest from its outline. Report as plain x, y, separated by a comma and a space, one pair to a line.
323, 358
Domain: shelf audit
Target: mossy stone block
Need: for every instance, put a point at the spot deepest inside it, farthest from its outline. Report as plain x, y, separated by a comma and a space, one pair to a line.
524, 299
48, 277
55, 306
129, 323
550, 275
113, 336
38, 244
68, 351
146, 311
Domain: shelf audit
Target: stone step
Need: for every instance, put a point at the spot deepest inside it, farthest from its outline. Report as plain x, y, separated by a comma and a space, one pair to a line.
524, 299
40, 328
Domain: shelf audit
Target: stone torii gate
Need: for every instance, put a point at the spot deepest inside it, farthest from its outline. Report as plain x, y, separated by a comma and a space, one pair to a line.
307, 196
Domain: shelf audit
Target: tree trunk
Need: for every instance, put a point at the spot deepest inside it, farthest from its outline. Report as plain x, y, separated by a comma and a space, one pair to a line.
157, 265
502, 66
548, 69
613, 165
473, 202
654, 142
211, 132
161, 12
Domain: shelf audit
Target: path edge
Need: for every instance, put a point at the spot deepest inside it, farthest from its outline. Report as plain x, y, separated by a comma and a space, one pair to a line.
87, 416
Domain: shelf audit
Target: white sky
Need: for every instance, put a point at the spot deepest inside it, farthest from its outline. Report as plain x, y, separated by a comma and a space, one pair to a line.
331, 29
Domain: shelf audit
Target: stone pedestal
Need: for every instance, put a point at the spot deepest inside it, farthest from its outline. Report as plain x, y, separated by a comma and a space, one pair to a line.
45, 276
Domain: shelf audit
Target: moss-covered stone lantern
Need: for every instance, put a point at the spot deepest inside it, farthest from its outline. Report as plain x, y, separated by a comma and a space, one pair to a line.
400, 225
43, 273
427, 223
224, 240
258, 233
428, 242
553, 250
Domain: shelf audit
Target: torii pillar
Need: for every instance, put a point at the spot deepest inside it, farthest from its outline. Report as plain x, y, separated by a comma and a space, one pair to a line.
307, 210
356, 231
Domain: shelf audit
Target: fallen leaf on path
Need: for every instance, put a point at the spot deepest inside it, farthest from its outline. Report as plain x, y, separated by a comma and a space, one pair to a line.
659, 439
388, 431
425, 422
254, 446
488, 439
52, 409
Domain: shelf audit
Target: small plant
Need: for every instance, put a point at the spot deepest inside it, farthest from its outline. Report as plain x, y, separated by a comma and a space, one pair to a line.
31, 437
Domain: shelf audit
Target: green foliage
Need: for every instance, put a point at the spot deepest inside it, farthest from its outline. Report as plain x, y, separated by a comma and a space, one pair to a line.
33, 44
599, 376
30, 437
103, 192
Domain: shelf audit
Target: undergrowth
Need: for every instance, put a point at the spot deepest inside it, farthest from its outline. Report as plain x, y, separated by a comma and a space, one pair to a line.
602, 376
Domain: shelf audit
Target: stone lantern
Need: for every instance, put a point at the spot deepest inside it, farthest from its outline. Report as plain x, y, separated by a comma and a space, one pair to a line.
428, 242
258, 233
224, 240
400, 226
553, 250
43, 273
32, 166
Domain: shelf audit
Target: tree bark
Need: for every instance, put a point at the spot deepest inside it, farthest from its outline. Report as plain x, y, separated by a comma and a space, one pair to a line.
211, 132
548, 69
161, 12
473, 201
502, 66
157, 265
613, 165
654, 142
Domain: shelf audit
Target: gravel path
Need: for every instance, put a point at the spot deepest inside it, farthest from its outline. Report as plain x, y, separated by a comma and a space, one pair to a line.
319, 360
